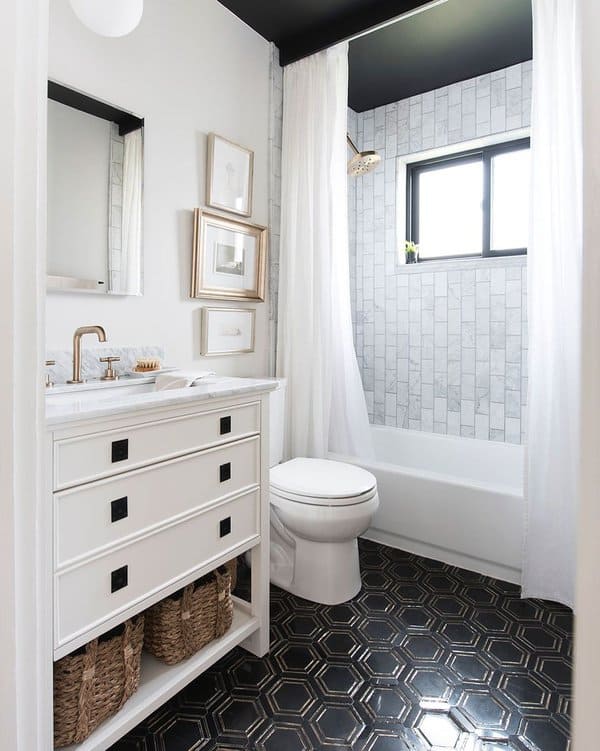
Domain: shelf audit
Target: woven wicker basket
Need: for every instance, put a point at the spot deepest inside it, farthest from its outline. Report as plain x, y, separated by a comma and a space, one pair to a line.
232, 568
93, 683
178, 626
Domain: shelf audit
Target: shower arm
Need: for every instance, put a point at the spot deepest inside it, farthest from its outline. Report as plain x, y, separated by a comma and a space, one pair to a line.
351, 143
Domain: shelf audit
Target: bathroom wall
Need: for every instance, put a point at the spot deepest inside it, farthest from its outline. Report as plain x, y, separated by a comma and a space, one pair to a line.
442, 345
191, 67
275, 133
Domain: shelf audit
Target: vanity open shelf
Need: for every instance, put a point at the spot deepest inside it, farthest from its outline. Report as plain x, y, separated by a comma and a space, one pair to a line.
159, 682
164, 486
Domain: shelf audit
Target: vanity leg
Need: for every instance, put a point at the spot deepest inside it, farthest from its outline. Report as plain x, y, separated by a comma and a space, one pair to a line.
258, 643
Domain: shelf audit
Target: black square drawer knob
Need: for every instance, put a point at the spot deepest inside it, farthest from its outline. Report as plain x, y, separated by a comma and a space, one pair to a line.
118, 509
225, 425
120, 450
225, 472
225, 527
118, 579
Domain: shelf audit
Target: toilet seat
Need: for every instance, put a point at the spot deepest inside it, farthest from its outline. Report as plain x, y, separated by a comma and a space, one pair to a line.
322, 482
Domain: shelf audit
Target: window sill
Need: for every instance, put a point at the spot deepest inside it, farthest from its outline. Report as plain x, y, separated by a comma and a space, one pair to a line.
457, 264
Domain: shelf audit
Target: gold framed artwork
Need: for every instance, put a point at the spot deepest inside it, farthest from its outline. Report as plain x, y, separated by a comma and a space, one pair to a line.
227, 331
229, 176
229, 258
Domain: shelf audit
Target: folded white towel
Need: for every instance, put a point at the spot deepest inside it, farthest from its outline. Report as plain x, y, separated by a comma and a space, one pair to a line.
180, 379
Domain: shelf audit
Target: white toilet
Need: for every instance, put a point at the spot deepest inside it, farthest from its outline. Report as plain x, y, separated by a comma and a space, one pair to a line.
318, 509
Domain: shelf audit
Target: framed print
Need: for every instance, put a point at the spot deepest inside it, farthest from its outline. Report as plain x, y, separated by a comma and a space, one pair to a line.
227, 331
229, 258
229, 176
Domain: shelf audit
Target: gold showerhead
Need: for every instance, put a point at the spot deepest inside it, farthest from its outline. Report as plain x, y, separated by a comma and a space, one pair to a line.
362, 161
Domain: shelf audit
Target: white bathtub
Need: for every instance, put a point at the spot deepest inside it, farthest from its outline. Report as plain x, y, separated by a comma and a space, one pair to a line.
458, 500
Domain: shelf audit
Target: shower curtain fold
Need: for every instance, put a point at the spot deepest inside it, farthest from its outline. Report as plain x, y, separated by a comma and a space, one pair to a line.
326, 409
555, 303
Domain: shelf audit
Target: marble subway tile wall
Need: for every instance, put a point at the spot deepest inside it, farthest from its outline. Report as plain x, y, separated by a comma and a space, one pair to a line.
115, 194
442, 346
91, 367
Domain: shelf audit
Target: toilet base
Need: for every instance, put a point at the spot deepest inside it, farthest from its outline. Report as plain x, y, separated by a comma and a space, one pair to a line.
324, 572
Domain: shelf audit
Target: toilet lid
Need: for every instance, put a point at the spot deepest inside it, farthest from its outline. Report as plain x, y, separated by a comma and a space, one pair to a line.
322, 481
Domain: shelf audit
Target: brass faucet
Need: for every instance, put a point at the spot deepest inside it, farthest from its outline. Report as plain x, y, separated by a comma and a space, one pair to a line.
100, 333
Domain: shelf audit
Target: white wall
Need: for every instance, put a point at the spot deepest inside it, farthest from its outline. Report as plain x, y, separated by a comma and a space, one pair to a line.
25, 579
191, 67
587, 654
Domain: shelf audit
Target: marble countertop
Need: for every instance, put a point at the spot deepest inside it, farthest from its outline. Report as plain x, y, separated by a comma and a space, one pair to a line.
72, 407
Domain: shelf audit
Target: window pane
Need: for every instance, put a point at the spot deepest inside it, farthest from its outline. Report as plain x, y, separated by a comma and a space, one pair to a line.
450, 210
510, 200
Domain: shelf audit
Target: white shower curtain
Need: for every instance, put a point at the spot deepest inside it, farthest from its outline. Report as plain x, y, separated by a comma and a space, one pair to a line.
326, 409
555, 299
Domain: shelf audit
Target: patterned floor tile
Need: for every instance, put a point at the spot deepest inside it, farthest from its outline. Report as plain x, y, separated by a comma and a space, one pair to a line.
427, 657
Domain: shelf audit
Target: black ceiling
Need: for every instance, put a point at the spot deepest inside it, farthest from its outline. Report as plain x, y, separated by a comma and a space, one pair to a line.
453, 41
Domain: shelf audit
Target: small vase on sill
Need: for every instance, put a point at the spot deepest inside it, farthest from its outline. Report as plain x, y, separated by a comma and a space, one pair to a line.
411, 251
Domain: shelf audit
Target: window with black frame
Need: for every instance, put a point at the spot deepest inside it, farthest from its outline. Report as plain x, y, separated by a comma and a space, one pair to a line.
473, 203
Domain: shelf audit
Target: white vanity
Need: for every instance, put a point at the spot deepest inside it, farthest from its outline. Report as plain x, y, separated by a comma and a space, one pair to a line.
149, 491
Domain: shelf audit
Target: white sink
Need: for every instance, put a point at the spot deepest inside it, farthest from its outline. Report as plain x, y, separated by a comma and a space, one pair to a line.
98, 391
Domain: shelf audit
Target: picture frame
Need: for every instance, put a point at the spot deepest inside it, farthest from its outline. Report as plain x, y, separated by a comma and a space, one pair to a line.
227, 331
229, 176
228, 258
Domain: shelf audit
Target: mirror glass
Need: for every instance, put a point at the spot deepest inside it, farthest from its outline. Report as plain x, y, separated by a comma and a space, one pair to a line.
95, 179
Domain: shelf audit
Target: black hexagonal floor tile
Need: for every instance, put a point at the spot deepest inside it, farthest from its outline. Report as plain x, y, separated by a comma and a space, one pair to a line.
337, 644
539, 639
296, 657
526, 691
301, 625
460, 634
480, 595
557, 671
470, 667
385, 703
429, 683
427, 656
423, 647
382, 664
378, 630
337, 724
386, 740
544, 734
483, 709
280, 737
439, 731
292, 696
239, 715
491, 621
338, 680
416, 617
449, 606
506, 652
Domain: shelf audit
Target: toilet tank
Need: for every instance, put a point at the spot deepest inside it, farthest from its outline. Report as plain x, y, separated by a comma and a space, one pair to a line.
276, 422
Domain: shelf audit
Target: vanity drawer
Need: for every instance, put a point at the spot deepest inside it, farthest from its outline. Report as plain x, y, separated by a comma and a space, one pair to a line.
79, 460
87, 595
103, 513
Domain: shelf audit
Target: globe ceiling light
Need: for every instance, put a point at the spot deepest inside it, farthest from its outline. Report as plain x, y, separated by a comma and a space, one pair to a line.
109, 18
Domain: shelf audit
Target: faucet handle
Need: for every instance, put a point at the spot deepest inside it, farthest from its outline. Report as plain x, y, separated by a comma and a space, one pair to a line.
49, 383
109, 374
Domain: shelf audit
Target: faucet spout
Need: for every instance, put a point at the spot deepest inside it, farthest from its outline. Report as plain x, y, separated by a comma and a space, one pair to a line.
81, 331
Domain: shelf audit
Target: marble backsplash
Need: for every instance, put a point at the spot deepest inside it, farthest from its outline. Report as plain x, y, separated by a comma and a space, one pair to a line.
91, 367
